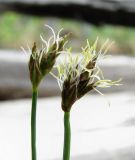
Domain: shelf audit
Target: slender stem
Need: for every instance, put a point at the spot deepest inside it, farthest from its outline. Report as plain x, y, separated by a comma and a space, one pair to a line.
33, 124
67, 136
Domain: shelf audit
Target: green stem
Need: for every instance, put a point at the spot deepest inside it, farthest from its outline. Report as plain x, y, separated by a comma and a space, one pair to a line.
67, 136
33, 124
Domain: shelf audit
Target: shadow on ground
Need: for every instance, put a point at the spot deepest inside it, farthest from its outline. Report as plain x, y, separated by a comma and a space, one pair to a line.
121, 154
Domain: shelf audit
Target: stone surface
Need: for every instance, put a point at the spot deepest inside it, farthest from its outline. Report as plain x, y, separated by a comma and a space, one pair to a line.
98, 131
14, 77
15, 83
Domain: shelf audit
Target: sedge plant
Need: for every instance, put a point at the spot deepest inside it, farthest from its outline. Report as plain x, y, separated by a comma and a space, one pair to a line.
41, 62
78, 75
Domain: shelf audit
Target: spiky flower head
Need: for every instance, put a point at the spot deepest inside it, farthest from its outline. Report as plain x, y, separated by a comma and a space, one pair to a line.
79, 74
42, 60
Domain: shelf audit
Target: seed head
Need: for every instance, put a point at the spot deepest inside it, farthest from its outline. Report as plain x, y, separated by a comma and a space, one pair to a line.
78, 75
42, 60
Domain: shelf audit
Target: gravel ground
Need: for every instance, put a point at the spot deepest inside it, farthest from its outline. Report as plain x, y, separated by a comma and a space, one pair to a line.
99, 132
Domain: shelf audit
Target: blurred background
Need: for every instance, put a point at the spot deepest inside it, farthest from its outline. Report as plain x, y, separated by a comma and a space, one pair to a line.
110, 132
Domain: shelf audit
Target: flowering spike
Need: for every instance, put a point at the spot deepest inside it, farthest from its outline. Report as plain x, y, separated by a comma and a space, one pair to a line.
42, 60
35, 74
78, 76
